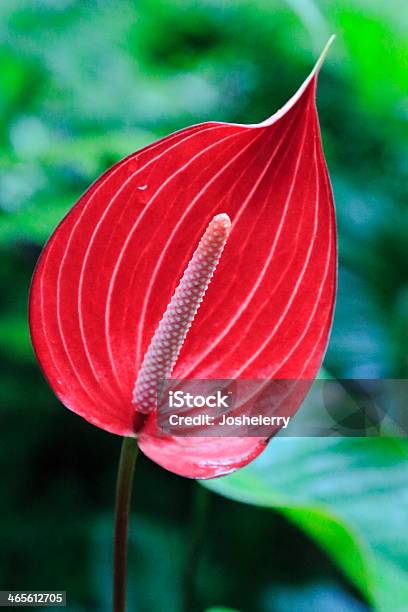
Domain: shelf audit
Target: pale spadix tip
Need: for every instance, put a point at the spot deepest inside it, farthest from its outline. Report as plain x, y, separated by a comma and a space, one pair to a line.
170, 334
221, 224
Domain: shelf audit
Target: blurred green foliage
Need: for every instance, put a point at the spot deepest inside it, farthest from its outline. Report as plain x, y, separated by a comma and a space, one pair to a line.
83, 83
349, 494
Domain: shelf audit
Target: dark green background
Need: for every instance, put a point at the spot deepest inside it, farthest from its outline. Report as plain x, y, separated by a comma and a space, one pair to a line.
82, 84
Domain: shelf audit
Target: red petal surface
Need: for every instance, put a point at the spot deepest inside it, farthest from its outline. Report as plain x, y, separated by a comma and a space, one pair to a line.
109, 270
199, 457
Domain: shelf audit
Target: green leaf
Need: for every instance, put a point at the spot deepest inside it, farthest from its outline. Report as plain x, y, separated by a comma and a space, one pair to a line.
14, 337
88, 152
34, 222
217, 609
348, 494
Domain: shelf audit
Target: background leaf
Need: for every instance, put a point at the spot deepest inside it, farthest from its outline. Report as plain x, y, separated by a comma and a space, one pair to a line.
350, 495
221, 610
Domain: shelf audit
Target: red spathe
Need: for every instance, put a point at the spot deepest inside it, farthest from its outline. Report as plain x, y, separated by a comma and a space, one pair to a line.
109, 270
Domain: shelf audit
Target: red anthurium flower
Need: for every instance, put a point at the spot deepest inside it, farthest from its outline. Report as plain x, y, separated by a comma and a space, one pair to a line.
103, 321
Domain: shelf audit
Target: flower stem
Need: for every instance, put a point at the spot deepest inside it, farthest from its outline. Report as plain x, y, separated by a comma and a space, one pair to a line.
123, 496
201, 503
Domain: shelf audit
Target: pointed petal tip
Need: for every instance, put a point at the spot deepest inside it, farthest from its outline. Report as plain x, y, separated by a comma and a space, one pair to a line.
323, 54
298, 94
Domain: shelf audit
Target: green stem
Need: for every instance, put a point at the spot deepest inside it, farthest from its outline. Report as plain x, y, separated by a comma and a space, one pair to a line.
201, 502
123, 496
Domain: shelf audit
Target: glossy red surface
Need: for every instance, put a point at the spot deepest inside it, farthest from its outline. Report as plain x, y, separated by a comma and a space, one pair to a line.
109, 270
